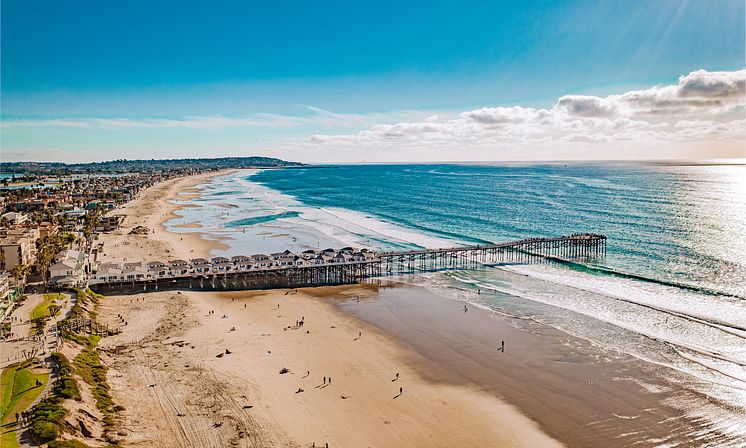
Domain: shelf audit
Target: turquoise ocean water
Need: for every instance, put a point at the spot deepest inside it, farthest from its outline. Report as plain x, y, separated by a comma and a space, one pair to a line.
671, 290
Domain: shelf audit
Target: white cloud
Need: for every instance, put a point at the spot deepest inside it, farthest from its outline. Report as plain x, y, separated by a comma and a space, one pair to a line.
703, 113
704, 108
587, 106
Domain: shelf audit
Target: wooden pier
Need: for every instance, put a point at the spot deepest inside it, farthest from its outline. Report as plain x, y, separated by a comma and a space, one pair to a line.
576, 247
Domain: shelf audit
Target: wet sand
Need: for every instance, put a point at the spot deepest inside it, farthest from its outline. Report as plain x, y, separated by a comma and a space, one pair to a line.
577, 394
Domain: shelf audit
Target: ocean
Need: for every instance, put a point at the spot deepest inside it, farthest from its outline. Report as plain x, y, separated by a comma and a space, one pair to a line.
670, 292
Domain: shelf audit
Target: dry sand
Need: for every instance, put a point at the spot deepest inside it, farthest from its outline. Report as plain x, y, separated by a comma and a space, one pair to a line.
152, 208
177, 392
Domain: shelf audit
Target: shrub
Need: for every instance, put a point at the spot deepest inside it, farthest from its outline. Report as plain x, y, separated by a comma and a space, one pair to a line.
66, 386
46, 420
89, 367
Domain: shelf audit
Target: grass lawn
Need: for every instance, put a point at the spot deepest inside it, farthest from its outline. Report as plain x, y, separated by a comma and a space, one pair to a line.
18, 389
41, 311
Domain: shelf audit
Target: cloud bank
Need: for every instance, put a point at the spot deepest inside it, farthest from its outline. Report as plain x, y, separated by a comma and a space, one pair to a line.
700, 116
704, 112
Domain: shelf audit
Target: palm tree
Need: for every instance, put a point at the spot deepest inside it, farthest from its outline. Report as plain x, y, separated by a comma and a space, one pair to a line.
19, 273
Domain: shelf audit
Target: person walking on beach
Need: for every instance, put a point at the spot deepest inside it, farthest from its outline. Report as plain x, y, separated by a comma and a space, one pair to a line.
401, 390
324, 380
502, 346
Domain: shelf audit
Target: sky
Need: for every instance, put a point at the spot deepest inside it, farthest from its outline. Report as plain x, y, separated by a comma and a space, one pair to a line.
323, 82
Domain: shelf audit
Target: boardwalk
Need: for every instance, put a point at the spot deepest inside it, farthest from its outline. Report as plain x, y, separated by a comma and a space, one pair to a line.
576, 246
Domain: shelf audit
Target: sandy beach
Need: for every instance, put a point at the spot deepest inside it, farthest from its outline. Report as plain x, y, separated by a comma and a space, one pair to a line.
151, 209
170, 367
204, 369
208, 369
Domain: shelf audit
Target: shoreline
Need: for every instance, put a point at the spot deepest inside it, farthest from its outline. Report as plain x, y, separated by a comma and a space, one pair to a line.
576, 393
466, 414
551, 385
152, 208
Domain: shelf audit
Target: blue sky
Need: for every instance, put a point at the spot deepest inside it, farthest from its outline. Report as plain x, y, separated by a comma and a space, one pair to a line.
309, 80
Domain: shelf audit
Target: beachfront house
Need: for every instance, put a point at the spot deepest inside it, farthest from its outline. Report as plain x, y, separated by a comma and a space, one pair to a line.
261, 261
178, 267
322, 258
279, 255
224, 265
309, 254
241, 262
359, 256
157, 269
200, 265
286, 258
65, 271
134, 271
69, 269
109, 272
108, 223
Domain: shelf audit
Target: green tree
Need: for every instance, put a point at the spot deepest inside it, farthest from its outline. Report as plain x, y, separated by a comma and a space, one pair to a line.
19, 273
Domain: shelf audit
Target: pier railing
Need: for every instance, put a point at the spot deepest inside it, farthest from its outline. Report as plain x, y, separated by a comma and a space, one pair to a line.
576, 246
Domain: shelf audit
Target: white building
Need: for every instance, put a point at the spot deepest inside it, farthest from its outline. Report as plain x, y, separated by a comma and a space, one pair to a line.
69, 269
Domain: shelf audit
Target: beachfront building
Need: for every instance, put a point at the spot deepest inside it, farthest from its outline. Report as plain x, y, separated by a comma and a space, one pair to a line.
6, 294
158, 269
285, 258
221, 265
242, 262
261, 261
108, 272
69, 269
134, 271
178, 267
17, 246
108, 223
74, 217
200, 265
